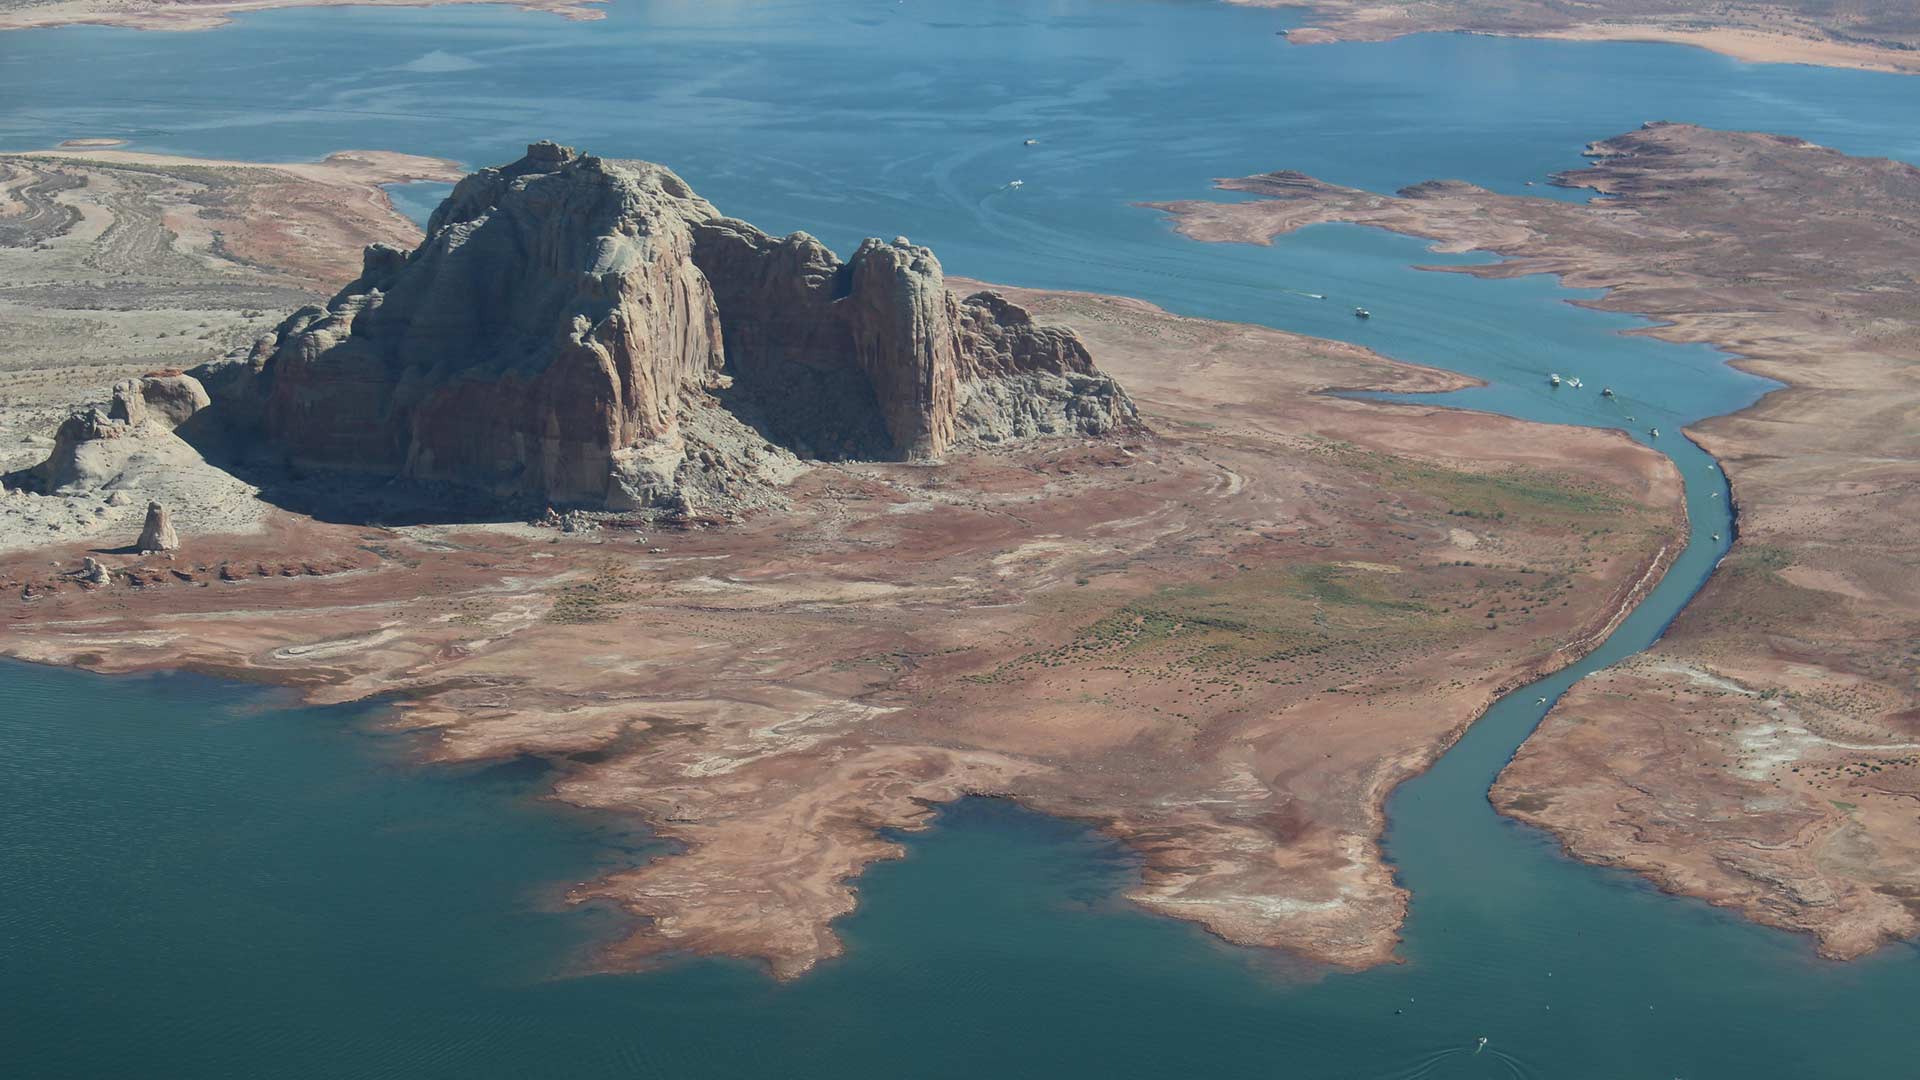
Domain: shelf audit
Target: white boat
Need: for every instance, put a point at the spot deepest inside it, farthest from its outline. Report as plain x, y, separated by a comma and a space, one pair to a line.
1031, 142
1573, 381
1655, 432
1606, 391
1553, 379
1362, 313
1016, 183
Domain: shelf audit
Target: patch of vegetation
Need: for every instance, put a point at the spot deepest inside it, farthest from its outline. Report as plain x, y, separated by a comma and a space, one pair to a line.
1528, 493
1284, 626
1760, 558
598, 599
1342, 585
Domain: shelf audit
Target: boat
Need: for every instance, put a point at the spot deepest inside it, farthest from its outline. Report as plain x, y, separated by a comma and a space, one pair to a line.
1016, 183
1655, 432
1031, 142
1573, 381
1553, 379
1362, 313
1606, 391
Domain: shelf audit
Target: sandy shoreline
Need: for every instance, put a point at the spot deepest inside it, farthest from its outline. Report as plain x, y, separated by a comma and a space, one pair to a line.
1752, 47
1752, 31
362, 167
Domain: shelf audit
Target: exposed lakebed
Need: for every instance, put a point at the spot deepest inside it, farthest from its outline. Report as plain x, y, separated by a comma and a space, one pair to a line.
203, 883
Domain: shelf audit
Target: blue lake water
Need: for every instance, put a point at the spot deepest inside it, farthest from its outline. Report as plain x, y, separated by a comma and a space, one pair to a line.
197, 880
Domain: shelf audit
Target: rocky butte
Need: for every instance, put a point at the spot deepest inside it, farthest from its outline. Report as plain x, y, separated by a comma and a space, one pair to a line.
588, 332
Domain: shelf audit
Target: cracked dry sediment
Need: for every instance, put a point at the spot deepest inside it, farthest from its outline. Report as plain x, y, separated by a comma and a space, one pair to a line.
1223, 644
1761, 755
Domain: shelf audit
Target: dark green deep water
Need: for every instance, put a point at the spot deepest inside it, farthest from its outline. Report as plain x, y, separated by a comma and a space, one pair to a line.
201, 880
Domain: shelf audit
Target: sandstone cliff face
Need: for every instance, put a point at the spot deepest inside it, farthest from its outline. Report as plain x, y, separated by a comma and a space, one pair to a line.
1020, 380
902, 318
552, 316
874, 355
565, 313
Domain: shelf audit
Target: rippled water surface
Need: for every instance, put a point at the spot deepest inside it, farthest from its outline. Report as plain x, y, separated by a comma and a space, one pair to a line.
198, 880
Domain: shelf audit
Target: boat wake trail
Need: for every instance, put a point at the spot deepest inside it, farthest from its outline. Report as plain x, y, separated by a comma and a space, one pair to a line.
1478, 1059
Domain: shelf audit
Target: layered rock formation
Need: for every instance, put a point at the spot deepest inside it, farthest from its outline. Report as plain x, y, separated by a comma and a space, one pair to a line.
567, 315
93, 448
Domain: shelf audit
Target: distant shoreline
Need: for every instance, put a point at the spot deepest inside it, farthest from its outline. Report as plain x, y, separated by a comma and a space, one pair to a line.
1754, 43
1342, 21
174, 15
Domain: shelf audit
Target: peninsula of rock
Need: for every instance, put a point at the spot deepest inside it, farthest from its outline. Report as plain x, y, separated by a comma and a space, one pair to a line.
948, 560
1765, 755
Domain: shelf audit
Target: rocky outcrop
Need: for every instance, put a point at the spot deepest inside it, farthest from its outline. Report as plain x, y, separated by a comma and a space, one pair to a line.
875, 356
93, 447
85, 448
902, 318
169, 399
566, 315
158, 533
552, 317
1020, 380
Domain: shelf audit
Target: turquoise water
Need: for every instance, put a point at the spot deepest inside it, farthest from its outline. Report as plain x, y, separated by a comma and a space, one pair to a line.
197, 880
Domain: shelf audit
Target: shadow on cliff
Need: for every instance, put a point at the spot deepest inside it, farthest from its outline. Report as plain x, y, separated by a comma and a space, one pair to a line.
339, 496
827, 415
